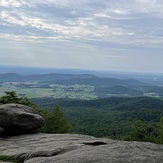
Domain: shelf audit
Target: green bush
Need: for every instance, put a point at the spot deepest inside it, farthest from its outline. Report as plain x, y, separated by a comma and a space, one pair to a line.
55, 121
137, 132
11, 97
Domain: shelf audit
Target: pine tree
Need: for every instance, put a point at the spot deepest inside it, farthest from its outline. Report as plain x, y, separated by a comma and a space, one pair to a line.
137, 132
55, 122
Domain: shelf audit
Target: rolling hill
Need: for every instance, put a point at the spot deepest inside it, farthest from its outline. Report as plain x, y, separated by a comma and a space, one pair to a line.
103, 87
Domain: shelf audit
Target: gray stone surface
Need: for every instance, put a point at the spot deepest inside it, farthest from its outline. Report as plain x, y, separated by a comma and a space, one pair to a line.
71, 148
16, 118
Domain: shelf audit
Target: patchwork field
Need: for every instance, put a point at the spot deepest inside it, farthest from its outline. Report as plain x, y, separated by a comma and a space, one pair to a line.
82, 86
37, 90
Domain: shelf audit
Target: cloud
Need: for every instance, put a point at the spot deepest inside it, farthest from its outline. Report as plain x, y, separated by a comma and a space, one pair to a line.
96, 26
80, 20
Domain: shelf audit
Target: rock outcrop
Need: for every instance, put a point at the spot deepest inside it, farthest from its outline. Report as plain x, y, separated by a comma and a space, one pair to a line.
72, 148
17, 119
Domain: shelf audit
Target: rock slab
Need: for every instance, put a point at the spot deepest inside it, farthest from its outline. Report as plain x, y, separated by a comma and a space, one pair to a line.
72, 148
16, 119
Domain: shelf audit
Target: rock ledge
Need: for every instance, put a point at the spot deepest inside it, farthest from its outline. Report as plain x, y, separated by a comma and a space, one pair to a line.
73, 148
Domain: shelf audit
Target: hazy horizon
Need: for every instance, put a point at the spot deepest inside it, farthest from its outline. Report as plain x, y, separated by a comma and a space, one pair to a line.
104, 35
27, 70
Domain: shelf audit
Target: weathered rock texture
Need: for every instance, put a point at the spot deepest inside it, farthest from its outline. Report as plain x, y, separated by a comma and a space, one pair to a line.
69, 148
16, 119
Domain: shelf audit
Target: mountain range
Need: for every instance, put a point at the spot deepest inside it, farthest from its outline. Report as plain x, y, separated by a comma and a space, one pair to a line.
103, 86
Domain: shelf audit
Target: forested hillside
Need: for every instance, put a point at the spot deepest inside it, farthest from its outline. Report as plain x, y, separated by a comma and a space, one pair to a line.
113, 117
111, 103
119, 118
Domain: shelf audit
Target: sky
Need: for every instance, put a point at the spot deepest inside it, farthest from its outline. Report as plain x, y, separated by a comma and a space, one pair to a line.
120, 35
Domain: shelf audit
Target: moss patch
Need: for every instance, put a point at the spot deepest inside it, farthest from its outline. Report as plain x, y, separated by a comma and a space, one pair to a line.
8, 159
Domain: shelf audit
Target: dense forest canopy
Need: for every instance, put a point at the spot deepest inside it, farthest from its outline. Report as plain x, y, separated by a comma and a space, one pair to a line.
118, 118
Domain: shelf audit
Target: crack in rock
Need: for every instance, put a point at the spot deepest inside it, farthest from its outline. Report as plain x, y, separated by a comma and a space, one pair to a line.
96, 143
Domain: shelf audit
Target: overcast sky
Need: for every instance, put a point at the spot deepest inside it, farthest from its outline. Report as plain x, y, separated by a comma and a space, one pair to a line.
87, 34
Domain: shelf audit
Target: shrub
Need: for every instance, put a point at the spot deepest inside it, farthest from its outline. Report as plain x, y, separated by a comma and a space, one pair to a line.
55, 121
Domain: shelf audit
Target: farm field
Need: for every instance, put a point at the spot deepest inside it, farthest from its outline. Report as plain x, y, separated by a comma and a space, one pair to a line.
82, 86
37, 90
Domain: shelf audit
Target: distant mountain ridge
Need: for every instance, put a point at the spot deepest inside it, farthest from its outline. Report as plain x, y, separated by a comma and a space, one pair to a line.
69, 79
11, 77
96, 81
8, 77
103, 87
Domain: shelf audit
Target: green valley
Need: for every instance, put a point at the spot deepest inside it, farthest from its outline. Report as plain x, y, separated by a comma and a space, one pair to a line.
37, 90
127, 109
